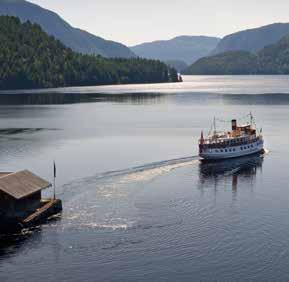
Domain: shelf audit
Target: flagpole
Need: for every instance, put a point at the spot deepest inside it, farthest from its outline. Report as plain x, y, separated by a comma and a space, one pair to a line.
54, 196
54, 176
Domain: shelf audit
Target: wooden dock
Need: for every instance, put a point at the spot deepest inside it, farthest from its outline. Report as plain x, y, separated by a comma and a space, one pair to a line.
50, 207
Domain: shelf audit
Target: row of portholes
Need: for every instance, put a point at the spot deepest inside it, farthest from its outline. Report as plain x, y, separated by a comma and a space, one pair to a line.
248, 147
226, 150
233, 149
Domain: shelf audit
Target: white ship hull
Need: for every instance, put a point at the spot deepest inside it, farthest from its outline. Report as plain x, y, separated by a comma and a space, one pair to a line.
233, 151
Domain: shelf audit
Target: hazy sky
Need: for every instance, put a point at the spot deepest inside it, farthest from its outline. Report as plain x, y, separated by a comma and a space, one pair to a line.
136, 21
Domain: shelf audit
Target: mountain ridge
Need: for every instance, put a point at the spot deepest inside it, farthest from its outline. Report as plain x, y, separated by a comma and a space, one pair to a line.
253, 39
76, 39
272, 59
30, 59
184, 48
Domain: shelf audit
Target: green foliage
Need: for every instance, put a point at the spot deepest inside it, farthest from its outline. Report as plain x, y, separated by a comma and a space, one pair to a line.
234, 62
273, 59
29, 58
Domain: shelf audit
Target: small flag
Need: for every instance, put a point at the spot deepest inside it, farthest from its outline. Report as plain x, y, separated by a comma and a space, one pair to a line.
54, 169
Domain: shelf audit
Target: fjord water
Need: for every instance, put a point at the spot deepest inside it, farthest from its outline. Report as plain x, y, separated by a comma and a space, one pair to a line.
138, 204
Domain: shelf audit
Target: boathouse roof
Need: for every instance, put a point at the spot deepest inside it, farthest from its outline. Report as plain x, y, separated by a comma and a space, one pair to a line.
21, 184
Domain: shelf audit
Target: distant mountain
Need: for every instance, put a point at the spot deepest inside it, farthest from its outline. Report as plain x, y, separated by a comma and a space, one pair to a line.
178, 65
272, 59
78, 40
252, 40
232, 62
30, 58
183, 48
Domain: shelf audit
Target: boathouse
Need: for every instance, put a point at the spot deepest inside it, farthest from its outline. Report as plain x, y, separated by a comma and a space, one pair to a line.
20, 194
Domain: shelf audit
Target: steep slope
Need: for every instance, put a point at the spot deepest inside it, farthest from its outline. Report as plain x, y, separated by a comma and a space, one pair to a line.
233, 62
252, 40
30, 58
78, 40
178, 65
183, 48
273, 59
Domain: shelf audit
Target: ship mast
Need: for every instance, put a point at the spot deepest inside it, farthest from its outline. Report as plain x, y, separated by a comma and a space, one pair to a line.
214, 125
251, 119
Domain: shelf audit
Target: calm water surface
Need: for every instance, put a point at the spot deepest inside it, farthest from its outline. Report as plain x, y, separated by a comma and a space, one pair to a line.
138, 205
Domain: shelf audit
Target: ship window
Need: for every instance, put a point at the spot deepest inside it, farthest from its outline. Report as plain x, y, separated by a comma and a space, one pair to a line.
241, 148
222, 151
226, 150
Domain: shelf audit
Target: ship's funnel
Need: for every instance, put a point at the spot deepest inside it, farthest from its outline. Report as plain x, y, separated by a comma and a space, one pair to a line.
234, 124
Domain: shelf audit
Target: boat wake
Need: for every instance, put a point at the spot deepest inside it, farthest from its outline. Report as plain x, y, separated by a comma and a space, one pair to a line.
109, 200
138, 173
154, 168
106, 200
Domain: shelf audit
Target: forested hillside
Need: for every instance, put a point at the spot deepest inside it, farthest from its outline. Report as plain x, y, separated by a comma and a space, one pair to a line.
234, 62
252, 40
74, 38
29, 58
273, 59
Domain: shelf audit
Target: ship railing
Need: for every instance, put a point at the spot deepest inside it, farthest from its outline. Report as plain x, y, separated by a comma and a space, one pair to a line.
222, 143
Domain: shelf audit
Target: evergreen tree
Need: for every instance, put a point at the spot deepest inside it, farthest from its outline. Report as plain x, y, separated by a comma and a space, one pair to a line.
29, 58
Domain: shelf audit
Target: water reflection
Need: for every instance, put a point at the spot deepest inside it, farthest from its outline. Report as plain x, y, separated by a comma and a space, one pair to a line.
134, 98
256, 99
11, 244
70, 98
13, 131
230, 172
154, 97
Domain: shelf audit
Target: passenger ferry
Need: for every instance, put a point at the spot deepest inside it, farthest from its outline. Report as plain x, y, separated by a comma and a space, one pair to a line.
241, 141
